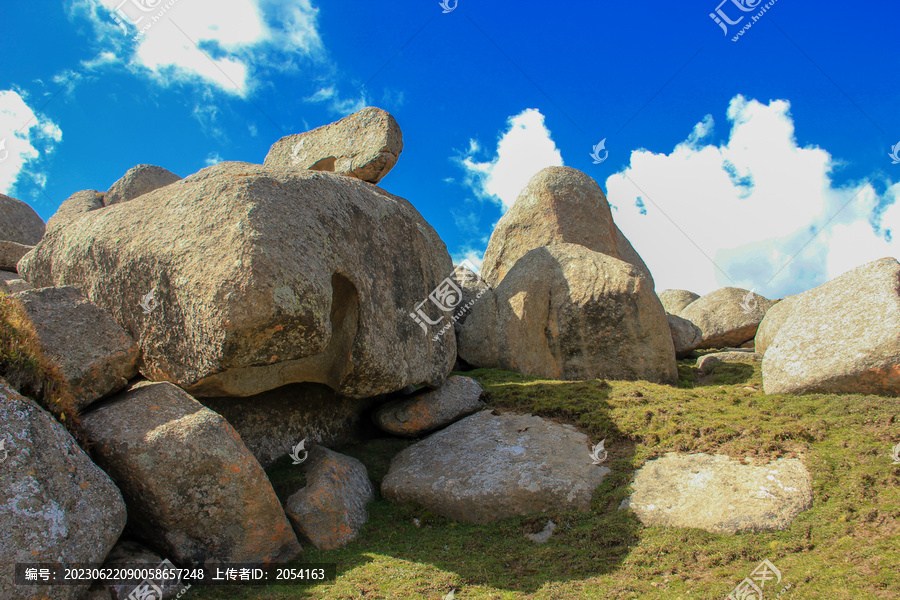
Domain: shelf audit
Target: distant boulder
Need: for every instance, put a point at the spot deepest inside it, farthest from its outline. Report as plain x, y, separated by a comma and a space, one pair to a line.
728, 317
685, 335
674, 301
566, 312
842, 337
560, 205
364, 145
138, 181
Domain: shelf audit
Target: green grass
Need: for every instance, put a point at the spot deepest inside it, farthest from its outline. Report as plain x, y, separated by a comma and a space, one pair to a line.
846, 546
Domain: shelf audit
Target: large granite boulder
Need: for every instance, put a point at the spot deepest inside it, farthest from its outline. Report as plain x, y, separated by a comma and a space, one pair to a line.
490, 467
273, 422
138, 181
56, 506
412, 416
365, 145
559, 205
193, 490
241, 279
95, 356
74, 206
675, 301
842, 337
685, 335
775, 317
331, 509
728, 317
720, 494
566, 312
19, 223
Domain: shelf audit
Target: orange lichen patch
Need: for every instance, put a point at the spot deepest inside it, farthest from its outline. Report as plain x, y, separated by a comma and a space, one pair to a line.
279, 327
235, 469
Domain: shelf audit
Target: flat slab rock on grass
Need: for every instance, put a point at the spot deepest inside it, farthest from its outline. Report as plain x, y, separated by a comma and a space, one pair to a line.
720, 494
489, 467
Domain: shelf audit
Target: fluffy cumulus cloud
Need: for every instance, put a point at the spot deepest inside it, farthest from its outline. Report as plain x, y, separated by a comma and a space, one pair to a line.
26, 137
757, 211
218, 42
524, 148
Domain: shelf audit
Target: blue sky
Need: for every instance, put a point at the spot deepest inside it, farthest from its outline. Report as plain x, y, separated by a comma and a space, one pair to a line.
762, 162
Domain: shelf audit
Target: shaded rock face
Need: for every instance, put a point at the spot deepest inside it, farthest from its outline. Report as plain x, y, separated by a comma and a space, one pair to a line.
268, 277
138, 181
55, 504
10, 283
559, 205
728, 317
331, 509
364, 145
19, 223
94, 354
473, 287
842, 337
413, 416
675, 301
685, 335
565, 312
11, 253
719, 494
194, 492
706, 363
272, 423
488, 467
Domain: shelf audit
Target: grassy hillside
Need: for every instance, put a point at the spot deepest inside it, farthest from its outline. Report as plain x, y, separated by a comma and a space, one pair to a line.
846, 546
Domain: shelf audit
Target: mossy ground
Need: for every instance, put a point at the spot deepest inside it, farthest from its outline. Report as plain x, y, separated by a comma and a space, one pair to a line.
846, 546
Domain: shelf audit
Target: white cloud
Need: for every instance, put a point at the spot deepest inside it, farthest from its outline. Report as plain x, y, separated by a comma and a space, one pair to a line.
212, 158
337, 104
469, 254
750, 205
235, 36
25, 137
524, 149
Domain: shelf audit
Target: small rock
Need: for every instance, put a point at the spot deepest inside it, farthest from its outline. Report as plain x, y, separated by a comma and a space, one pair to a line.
719, 494
727, 317
364, 145
11, 253
10, 283
416, 415
705, 364
675, 301
138, 181
331, 509
685, 335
